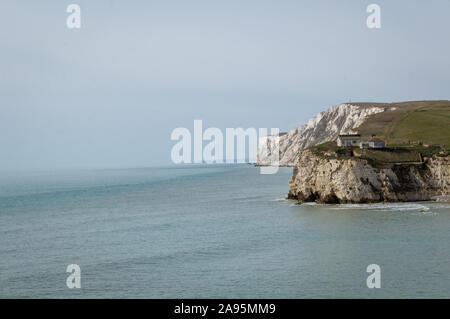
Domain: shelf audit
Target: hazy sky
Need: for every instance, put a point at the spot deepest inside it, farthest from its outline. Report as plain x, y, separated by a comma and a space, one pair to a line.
109, 94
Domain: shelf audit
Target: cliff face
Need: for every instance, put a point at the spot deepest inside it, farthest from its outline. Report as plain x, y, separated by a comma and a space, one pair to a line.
354, 180
325, 127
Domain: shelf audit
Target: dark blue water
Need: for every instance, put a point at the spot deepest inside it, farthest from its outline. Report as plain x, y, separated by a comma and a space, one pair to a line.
212, 232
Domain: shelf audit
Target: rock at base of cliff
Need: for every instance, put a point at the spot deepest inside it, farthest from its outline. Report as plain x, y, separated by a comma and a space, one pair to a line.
352, 180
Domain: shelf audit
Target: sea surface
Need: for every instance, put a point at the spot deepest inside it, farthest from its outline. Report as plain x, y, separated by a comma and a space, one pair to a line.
212, 231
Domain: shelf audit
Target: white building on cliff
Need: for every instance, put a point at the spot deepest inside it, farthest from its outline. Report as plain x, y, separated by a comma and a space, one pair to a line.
354, 140
349, 140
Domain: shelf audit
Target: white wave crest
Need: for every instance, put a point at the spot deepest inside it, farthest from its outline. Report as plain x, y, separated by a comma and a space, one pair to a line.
384, 207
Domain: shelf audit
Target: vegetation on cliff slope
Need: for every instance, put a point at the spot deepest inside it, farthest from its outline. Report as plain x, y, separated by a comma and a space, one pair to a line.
413, 131
380, 157
426, 122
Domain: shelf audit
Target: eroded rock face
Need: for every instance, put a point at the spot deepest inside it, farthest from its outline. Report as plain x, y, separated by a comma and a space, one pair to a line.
325, 127
354, 180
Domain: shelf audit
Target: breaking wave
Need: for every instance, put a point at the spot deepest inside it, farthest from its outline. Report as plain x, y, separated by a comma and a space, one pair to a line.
384, 207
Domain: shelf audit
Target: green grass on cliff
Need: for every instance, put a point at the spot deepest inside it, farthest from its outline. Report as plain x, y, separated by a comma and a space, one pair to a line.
429, 126
412, 130
414, 122
380, 157
393, 155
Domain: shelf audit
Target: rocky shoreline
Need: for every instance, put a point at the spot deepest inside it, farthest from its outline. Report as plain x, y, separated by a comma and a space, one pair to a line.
324, 179
441, 199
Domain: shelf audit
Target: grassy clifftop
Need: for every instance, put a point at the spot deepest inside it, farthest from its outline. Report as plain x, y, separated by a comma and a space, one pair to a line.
380, 157
413, 131
417, 121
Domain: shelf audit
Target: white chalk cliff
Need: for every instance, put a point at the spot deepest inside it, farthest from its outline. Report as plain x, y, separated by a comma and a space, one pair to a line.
354, 180
326, 126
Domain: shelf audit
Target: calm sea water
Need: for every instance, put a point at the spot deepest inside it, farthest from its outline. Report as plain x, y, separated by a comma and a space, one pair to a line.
211, 232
